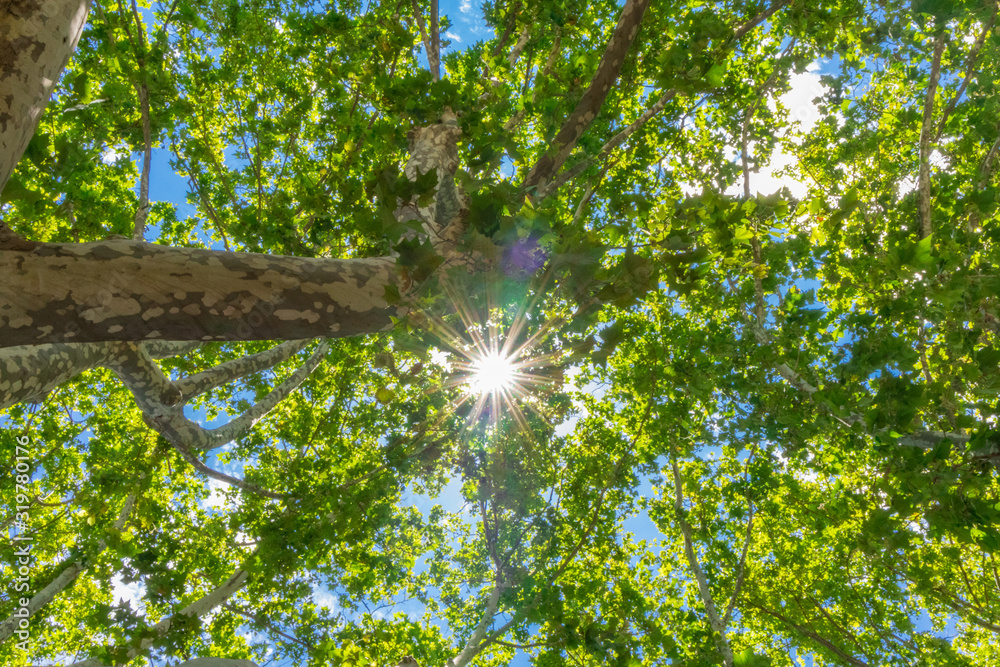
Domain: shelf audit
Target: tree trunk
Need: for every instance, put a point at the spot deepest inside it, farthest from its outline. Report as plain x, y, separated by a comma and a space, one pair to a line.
126, 290
36, 40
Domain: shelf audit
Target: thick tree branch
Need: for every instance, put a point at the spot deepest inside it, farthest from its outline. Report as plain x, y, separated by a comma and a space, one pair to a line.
63, 579
177, 428
924, 179
472, 646
244, 422
164, 349
131, 291
36, 39
199, 607
593, 99
199, 383
718, 627
152, 390
969, 67
435, 148
29, 372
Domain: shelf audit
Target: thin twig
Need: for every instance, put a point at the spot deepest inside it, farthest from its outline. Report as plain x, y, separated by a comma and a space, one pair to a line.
189, 456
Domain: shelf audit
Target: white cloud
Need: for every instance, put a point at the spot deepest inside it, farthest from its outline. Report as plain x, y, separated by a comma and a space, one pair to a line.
465, 7
452, 36
215, 498
111, 155
805, 87
324, 598
132, 592
766, 181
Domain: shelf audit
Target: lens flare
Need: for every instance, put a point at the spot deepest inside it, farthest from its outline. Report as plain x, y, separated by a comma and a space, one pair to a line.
492, 373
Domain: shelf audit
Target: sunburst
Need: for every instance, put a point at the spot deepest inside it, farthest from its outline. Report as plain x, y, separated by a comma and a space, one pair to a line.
492, 374
497, 364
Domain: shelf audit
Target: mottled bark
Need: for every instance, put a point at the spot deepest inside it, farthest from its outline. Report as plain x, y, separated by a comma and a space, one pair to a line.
150, 387
36, 40
127, 290
29, 372
590, 104
169, 420
119, 290
435, 148
199, 383
164, 349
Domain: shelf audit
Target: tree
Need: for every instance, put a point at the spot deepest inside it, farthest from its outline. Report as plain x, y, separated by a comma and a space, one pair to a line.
799, 387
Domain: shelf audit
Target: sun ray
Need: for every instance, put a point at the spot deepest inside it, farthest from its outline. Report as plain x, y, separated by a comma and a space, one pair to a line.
495, 354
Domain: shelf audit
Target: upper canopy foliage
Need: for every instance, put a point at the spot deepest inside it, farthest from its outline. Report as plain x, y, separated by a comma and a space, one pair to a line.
782, 402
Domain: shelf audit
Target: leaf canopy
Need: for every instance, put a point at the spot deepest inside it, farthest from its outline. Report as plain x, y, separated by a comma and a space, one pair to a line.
756, 418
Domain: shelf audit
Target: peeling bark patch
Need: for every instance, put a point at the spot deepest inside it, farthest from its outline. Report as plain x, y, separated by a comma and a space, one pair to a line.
288, 314
20, 9
11, 49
